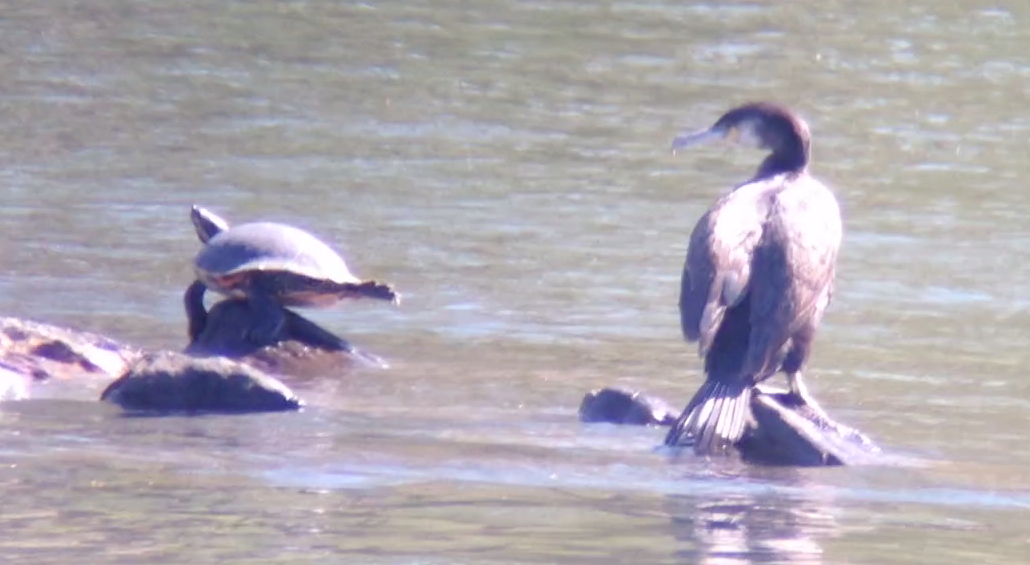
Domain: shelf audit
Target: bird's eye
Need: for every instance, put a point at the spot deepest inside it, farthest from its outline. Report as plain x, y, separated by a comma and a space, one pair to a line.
747, 135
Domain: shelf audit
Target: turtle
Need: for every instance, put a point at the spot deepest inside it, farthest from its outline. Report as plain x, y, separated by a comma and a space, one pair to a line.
271, 265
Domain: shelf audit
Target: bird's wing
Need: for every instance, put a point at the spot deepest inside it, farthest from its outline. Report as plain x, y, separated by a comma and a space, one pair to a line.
718, 264
792, 272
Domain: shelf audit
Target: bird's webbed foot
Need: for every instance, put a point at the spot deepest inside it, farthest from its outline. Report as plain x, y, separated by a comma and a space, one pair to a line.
801, 396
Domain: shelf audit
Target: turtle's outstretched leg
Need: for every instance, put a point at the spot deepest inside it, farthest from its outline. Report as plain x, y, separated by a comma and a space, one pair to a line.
370, 289
311, 334
304, 330
196, 315
269, 318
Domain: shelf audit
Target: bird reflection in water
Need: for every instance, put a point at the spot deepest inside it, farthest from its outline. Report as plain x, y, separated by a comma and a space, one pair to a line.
769, 525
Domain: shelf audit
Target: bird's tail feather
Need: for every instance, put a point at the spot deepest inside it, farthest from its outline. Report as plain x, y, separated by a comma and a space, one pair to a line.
714, 419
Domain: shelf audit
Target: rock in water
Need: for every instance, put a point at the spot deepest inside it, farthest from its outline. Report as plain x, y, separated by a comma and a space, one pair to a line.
173, 382
44, 351
781, 432
784, 433
34, 352
620, 406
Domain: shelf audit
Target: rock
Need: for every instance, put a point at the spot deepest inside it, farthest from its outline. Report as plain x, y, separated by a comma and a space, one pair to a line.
620, 406
170, 381
303, 349
785, 433
36, 352
781, 432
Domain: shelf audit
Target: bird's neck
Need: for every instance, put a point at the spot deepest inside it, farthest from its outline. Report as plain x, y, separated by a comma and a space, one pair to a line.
794, 162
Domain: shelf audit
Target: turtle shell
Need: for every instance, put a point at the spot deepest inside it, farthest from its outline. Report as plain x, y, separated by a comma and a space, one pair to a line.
290, 263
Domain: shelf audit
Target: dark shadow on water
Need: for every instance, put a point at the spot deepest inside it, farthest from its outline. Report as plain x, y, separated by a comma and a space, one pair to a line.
777, 516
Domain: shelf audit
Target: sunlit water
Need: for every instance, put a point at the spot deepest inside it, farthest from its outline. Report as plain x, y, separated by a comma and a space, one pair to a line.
506, 165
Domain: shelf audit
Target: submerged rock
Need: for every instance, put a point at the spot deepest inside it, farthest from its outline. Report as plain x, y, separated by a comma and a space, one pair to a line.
303, 348
176, 382
621, 406
33, 351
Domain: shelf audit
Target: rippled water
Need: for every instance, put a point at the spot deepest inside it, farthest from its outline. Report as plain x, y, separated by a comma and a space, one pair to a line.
506, 165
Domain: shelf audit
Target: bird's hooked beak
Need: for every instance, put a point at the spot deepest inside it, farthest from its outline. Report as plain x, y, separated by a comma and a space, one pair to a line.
684, 140
741, 133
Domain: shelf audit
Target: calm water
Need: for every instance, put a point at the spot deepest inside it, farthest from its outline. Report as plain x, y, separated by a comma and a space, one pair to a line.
506, 165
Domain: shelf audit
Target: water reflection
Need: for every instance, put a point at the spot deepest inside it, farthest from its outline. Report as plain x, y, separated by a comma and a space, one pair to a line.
770, 526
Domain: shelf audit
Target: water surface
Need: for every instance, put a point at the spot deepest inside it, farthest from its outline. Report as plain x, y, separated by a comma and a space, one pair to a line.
506, 165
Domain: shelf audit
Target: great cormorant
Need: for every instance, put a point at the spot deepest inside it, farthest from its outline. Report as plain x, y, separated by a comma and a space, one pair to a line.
759, 274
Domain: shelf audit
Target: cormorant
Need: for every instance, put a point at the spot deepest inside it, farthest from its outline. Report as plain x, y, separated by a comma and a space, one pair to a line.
759, 274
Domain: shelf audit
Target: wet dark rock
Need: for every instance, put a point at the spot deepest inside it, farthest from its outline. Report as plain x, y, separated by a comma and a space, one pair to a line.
33, 351
782, 432
173, 382
621, 406
785, 433
302, 347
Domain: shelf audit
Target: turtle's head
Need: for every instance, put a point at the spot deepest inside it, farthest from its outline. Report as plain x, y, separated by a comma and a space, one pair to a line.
763, 125
206, 223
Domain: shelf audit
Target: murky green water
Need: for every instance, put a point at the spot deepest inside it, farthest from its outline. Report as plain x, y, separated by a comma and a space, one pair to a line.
506, 165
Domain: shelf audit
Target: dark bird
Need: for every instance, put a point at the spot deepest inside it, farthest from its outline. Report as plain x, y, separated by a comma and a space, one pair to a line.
759, 274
